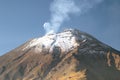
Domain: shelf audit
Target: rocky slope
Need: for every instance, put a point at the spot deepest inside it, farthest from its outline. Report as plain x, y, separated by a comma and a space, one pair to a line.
69, 55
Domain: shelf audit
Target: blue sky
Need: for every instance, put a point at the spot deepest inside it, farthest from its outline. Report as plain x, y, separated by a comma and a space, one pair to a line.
22, 20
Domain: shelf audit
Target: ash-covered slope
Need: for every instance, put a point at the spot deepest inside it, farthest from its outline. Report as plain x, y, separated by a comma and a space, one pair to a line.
69, 55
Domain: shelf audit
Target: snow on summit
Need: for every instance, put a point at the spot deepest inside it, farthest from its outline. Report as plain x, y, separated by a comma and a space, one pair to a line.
65, 40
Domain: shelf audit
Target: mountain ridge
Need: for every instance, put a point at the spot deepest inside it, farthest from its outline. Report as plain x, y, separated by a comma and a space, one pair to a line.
83, 58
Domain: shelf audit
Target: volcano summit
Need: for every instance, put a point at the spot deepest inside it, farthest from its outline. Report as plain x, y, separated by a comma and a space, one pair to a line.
68, 55
66, 41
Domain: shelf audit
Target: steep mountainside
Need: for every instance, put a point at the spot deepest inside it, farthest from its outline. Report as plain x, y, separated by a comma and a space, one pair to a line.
69, 55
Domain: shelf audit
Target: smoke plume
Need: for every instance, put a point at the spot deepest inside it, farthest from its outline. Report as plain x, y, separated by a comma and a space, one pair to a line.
60, 10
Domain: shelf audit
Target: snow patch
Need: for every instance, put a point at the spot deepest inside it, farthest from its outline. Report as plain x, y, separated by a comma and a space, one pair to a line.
66, 41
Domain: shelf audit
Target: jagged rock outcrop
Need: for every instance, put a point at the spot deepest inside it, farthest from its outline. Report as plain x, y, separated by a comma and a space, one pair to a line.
69, 55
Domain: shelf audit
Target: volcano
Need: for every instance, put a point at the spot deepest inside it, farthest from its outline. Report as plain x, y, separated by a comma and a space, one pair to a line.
68, 55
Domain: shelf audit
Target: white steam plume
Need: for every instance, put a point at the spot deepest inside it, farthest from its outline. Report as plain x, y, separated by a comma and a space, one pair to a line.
60, 10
